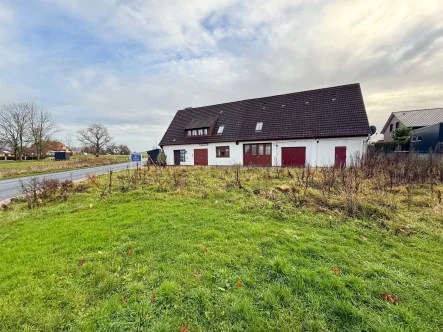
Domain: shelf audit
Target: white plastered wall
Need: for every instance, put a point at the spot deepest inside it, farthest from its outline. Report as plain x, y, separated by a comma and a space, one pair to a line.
319, 152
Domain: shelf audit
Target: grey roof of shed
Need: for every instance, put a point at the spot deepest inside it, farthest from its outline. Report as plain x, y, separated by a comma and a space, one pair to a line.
323, 113
417, 118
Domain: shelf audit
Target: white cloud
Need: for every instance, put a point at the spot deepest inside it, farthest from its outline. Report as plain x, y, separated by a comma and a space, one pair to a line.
156, 57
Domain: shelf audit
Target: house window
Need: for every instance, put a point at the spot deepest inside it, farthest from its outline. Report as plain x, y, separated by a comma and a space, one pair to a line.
197, 132
391, 127
259, 126
261, 150
254, 149
397, 125
222, 151
182, 155
413, 139
220, 129
247, 149
268, 149
418, 138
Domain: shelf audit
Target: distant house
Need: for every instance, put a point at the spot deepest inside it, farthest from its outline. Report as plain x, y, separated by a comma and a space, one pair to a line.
49, 149
6, 151
413, 119
6, 154
317, 127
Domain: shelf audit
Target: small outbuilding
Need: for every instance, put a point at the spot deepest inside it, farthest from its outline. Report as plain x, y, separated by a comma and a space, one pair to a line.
61, 155
153, 154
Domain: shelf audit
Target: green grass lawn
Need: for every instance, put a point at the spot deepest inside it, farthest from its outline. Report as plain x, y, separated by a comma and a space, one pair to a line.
14, 169
211, 257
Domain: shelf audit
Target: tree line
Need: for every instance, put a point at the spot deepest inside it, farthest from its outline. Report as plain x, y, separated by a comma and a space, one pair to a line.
25, 124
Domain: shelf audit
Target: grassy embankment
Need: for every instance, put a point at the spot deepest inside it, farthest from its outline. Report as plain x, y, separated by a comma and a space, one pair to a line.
225, 249
15, 169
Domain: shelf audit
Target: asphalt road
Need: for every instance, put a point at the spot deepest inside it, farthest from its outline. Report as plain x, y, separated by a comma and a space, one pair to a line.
11, 188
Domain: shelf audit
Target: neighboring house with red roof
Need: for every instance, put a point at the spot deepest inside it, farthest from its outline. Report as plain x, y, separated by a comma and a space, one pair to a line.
48, 150
414, 119
317, 127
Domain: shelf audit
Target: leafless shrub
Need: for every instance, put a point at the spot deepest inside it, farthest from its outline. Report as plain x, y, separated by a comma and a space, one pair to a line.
328, 180
93, 179
81, 188
237, 170
48, 188
29, 190
37, 192
66, 187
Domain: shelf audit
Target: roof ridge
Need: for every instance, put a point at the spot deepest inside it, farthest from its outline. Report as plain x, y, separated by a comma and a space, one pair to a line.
272, 96
424, 109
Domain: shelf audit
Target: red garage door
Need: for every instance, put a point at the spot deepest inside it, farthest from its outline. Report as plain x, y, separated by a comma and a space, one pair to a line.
200, 157
340, 156
293, 157
257, 154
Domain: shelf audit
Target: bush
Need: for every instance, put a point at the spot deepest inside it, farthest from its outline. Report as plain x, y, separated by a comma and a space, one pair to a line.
161, 158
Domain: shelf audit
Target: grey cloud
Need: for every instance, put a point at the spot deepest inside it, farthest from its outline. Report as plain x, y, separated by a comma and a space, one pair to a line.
218, 52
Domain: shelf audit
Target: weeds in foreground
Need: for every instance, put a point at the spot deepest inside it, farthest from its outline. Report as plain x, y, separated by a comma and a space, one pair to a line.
232, 248
37, 192
372, 186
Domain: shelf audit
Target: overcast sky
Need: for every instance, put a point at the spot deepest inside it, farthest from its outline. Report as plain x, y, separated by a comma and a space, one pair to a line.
131, 64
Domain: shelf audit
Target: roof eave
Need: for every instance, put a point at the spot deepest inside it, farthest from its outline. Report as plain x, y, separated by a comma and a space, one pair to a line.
387, 123
268, 139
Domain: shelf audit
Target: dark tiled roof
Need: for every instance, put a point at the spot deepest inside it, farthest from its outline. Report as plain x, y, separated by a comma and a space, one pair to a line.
199, 122
417, 118
329, 112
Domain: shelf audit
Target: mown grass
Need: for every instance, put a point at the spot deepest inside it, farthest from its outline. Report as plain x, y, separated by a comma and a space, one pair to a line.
167, 251
14, 169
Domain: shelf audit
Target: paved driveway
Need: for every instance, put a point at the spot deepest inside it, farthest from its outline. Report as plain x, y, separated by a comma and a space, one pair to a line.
11, 188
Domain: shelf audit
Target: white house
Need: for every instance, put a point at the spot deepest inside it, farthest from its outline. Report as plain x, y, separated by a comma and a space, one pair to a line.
317, 127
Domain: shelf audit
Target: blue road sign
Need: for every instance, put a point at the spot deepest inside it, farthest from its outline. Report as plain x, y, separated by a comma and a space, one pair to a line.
136, 157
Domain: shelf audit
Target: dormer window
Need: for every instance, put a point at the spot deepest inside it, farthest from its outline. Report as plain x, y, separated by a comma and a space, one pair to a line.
199, 127
197, 132
220, 130
259, 126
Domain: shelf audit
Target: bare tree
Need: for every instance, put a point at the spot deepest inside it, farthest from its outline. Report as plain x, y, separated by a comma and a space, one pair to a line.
124, 149
3, 142
14, 125
42, 128
111, 148
68, 139
115, 149
95, 136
